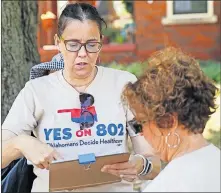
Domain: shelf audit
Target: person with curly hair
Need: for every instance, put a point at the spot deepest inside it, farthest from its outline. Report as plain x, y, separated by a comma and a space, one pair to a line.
172, 102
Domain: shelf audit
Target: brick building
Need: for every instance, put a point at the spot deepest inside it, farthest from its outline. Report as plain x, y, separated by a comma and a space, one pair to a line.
193, 27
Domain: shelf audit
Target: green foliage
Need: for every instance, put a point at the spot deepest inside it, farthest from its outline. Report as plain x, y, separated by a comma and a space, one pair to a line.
113, 34
215, 138
119, 39
211, 69
135, 68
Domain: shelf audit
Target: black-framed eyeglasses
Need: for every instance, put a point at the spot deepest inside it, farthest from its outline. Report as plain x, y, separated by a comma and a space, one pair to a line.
75, 46
87, 117
136, 126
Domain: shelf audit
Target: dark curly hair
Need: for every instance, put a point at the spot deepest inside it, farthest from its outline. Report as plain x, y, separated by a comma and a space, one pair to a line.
172, 83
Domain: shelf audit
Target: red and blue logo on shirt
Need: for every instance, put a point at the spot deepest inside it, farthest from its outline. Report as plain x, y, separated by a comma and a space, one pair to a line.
76, 114
79, 116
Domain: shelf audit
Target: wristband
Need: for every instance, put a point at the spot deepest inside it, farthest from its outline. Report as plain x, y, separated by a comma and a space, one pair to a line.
147, 166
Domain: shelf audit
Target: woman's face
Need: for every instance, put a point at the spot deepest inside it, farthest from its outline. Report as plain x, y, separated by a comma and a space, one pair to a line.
80, 64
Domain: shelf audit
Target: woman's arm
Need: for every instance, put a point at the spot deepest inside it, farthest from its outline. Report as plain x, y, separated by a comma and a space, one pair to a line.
129, 170
21, 120
14, 147
9, 150
141, 146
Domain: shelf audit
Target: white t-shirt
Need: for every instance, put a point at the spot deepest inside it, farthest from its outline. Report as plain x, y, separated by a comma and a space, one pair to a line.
198, 171
39, 108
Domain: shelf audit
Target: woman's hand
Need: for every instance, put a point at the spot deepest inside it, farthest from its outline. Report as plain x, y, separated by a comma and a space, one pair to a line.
40, 154
127, 170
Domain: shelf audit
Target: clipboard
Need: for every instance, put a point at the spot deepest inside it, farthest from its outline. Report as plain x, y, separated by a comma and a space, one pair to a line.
84, 172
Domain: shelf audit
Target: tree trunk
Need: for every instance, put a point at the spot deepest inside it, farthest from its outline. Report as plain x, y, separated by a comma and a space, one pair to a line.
19, 48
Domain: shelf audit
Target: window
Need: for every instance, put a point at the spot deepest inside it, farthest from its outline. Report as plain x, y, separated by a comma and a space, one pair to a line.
189, 12
185, 7
120, 23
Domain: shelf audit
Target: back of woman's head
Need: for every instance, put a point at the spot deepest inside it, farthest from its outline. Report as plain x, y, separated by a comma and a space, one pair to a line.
79, 11
173, 83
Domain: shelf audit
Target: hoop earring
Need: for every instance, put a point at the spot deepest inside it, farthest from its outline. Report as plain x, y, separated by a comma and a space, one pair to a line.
178, 140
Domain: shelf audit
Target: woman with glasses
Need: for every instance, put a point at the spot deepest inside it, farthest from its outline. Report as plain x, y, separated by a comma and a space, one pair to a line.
76, 110
172, 103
